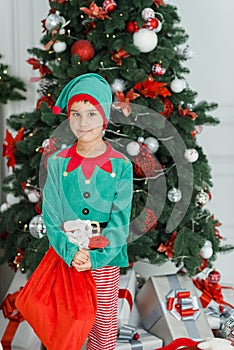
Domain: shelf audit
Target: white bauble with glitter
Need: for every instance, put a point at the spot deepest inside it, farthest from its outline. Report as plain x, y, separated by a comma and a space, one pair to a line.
133, 148
206, 251
145, 40
141, 139
33, 196
59, 46
174, 195
178, 85
147, 13
152, 144
118, 85
37, 227
191, 155
53, 20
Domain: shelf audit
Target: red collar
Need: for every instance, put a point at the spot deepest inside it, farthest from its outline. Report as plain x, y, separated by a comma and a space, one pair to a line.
88, 164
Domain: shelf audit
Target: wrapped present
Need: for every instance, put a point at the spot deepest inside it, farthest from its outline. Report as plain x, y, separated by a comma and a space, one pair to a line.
15, 333
169, 308
147, 270
217, 316
136, 338
135, 318
127, 291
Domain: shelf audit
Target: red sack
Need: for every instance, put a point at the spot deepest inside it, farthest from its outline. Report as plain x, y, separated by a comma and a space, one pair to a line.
59, 303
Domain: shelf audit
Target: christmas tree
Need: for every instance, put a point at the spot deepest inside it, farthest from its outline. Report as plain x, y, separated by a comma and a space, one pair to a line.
140, 49
10, 86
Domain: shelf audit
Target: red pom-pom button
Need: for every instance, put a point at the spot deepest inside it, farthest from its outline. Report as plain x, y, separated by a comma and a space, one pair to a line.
56, 110
98, 242
136, 336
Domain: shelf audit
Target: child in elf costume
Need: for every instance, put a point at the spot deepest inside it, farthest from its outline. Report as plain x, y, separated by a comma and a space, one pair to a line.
90, 181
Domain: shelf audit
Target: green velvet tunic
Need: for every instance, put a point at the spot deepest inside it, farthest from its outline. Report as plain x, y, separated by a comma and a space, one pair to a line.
96, 189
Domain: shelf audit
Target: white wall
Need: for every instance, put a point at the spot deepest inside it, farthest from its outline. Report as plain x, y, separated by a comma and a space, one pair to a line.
211, 27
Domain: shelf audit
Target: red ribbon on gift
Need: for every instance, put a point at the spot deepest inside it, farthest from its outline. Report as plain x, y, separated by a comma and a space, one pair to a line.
211, 291
125, 294
9, 311
177, 300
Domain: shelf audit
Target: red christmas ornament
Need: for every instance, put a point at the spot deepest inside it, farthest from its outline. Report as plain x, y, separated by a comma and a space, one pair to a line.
136, 336
109, 5
168, 107
157, 69
214, 277
132, 27
145, 165
151, 23
84, 49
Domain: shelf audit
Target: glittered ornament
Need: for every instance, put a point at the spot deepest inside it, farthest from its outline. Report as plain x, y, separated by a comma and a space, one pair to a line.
151, 23
133, 148
228, 328
37, 227
174, 195
84, 49
178, 85
191, 155
145, 165
206, 251
109, 5
158, 70
59, 46
214, 277
54, 20
147, 13
202, 198
152, 144
131, 27
146, 221
168, 107
145, 40
118, 85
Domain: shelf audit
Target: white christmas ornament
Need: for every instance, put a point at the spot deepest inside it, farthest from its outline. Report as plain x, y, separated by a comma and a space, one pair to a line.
33, 196
206, 251
152, 144
118, 85
12, 199
4, 207
174, 195
145, 40
191, 155
141, 139
178, 85
37, 227
133, 148
59, 46
147, 13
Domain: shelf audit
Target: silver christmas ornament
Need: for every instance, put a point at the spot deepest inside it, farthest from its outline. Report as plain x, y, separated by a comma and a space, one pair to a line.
202, 198
59, 46
141, 139
174, 195
33, 196
178, 85
206, 251
53, 20
133, 148
152, 144
191, 155
118, 85
147, 13
37, 227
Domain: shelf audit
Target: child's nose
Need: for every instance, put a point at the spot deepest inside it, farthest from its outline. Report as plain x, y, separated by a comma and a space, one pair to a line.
83, 119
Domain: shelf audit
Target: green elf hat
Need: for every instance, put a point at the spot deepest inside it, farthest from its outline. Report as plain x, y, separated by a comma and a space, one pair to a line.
91, 87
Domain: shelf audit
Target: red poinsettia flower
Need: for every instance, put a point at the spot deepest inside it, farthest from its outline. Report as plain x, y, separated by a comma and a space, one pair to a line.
186, 112
95, 11
117, 56
159, 3
151, 88
124, 101
9, 146
168, 247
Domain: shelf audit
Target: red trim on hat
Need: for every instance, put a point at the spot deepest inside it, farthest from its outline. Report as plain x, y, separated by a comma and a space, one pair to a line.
92, 100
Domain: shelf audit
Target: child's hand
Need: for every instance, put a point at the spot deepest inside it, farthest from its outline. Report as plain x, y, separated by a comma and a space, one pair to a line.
81, 257
84, 267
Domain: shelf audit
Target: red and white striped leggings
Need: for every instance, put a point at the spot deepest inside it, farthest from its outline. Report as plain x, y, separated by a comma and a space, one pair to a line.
104, 332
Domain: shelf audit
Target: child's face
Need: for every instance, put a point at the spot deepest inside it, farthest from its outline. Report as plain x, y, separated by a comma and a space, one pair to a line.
85, 121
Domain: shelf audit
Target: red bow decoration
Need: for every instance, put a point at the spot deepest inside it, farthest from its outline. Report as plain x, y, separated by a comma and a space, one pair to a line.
216, 231
168, 247
46, 99
151, 88
9, 146
211, 291
42, 68
178, 343
9, 311
186, 112
182, 304
118, 56
95, 11
124, 101
52, 41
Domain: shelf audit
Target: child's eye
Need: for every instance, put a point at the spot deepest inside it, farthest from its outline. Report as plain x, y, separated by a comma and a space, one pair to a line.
92, 114
75, 114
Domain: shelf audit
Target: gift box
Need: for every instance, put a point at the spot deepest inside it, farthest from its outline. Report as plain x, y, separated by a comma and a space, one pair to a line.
217, 316
15, 332
143, 340
127, 291
170, 309
144, 269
